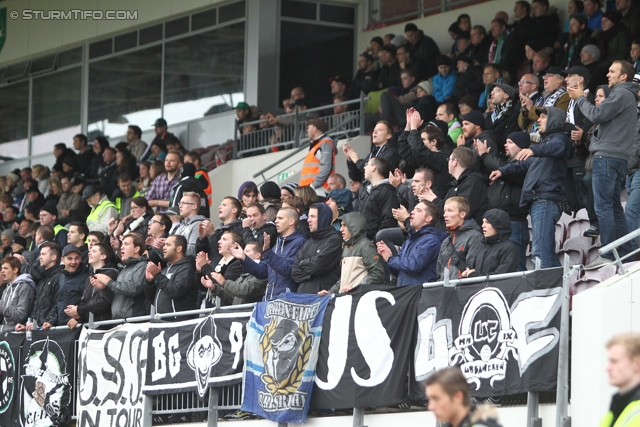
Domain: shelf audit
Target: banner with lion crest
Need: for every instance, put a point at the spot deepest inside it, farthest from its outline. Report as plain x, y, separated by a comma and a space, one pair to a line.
283, 337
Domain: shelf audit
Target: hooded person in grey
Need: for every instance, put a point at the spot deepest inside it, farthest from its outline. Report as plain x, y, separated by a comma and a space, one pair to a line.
497, 254
611, 148
17, 300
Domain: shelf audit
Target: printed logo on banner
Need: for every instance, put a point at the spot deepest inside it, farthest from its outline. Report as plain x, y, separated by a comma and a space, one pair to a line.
286, 346
7, 374
489, 331
44, 381
204, 352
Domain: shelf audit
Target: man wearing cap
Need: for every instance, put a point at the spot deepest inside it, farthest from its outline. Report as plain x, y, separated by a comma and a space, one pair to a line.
390, 69
338, 86
32, 196
320, 162
579, 36
590, 59
554, 95
70, 287
45, 301
158, 194
505, 193
503, 119
49, 216
340, 201
102, 209
610, 149
423, 47
162, 138
544, 167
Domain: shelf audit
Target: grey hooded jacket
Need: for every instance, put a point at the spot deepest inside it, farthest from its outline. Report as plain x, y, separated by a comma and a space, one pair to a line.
614, 116
17, 300
128, 289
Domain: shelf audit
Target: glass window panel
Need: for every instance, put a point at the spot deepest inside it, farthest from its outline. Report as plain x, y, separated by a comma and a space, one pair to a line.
56, 110
14, 121
150, 34
70, 57
125, 90
298, 9
339, 14
44, 63
231, 11
101, 48
176, 27
202, 72
125, 41
204, 19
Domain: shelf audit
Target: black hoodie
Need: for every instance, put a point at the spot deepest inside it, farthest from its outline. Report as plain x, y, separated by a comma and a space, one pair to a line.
497, 254
317, 263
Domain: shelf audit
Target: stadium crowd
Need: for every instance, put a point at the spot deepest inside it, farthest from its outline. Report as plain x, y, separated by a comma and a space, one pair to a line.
526, 120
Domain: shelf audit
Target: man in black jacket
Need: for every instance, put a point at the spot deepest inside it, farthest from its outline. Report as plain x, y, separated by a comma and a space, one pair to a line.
544, 167
503, 120
468, 183
174, 288
96, 301
378, 198
70, 287
255, 225
505, 193
47, 289
317, 263
423, 47
229, 212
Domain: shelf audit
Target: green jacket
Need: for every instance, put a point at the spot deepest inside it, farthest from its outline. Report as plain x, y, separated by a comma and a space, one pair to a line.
361, 263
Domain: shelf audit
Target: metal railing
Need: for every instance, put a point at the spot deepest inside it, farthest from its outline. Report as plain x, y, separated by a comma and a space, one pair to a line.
258, 137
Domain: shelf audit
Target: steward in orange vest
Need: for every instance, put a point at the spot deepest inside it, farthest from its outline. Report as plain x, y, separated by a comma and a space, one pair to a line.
320, 162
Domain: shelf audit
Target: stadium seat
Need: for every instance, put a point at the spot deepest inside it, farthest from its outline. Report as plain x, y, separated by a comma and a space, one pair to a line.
576, 227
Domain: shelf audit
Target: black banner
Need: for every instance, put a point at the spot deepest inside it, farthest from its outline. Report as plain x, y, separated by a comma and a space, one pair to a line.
503, 335
195, 354
48, 367
366, 347
110, 376
9, 368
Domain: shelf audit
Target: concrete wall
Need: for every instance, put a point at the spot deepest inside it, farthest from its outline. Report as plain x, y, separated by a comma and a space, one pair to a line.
599, 313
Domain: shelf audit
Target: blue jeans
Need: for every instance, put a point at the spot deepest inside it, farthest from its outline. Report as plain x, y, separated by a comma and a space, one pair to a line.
520, 238
632, 210
608, 178
544, 215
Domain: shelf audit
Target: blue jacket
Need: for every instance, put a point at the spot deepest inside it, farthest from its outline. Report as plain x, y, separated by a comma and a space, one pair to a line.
416, 260
444, 86
545, 171
276, 265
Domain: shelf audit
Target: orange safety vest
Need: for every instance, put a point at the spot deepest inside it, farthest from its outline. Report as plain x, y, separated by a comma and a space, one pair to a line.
311, 165
205, 174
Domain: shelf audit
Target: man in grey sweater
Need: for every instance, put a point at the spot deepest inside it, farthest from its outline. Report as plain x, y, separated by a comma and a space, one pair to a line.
610, 148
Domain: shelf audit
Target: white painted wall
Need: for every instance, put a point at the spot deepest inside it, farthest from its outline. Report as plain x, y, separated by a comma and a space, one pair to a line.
607, 309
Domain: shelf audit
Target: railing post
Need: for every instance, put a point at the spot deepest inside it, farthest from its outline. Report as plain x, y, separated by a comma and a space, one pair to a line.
358, 417
236, 138
362, 102
562, 389
147, 417
533, 401
90, 320
296, 130
212, 417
